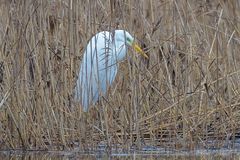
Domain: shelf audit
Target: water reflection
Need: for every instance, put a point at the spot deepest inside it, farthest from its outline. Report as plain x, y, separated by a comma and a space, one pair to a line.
202, 155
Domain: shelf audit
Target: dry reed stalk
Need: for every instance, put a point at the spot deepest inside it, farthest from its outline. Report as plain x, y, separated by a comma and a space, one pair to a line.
184, 96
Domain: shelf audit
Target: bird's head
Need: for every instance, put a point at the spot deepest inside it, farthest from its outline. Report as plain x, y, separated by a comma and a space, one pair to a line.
129, 40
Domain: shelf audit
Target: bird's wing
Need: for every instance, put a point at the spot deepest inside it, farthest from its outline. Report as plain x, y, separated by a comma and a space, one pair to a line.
96, 71
105, 71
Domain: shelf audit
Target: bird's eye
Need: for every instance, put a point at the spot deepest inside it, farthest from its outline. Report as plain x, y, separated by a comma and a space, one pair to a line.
128, 39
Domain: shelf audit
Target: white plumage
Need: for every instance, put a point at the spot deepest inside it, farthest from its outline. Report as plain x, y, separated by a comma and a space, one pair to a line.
100, 64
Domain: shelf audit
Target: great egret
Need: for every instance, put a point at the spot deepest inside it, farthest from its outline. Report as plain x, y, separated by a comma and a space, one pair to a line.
100, 64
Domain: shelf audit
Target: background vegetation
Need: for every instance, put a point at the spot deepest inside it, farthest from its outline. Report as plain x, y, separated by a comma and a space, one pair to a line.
185, 96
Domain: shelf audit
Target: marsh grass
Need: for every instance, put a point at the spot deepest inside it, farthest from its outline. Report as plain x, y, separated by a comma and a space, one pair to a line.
185, 96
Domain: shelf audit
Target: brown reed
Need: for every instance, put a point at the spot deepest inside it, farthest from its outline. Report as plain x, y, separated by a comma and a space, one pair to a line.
185, 96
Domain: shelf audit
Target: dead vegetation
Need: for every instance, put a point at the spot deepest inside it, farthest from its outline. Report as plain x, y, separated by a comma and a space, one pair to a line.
185, 96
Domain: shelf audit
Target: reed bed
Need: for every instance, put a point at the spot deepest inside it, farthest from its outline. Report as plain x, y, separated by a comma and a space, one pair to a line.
185, 96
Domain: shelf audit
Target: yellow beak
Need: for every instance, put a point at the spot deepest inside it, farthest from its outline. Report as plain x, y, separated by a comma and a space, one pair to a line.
139, 50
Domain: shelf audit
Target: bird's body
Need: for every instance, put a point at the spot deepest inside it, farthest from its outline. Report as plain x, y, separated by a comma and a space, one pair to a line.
100, 64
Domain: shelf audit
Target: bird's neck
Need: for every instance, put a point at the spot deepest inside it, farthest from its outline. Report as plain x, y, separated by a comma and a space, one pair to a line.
120, 50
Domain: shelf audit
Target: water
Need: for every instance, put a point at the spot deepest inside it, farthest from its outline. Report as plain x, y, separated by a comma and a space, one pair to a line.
55, 155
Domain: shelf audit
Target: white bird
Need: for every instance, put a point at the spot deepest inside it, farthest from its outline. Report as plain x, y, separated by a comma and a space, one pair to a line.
100, 64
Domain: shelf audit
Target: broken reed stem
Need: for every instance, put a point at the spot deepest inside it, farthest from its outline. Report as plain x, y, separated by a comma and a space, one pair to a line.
185, 95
